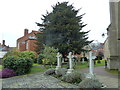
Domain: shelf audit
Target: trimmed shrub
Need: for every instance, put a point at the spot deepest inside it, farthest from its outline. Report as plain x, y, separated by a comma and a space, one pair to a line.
90, 83
6, 73
74, 77
39, 59
13, 52
61, 72
20, 65
28, 54
50, 71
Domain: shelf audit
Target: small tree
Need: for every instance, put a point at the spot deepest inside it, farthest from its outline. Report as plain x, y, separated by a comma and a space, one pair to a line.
50, 54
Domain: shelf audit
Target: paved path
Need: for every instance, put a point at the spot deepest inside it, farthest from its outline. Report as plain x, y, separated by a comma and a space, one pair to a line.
35, 81
38, 80
110, 80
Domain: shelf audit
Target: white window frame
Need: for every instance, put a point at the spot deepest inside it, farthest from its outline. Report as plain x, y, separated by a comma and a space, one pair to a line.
27, 45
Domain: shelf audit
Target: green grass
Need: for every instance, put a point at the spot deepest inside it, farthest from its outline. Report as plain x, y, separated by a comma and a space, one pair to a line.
112, 71
35, 64
100, 64
36, 69
85, 65
48, 66
1, 66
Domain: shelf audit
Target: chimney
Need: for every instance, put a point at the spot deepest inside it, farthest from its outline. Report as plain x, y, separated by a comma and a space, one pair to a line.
3, 42
25, 32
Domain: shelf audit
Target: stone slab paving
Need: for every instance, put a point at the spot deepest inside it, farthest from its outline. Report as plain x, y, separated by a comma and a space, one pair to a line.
35, 81
110, 80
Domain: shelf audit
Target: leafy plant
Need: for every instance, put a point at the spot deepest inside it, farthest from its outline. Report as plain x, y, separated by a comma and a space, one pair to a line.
12, 52
6, 73
28, 54
50, 55
20, 65
90, 83
74, 77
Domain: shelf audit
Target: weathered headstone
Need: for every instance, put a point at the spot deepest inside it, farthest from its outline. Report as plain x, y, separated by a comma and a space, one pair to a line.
70, 63
83, 61
91, 64
91, 67
58, 60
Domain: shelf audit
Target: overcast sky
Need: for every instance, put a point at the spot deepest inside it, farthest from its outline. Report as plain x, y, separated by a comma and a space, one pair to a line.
16, 15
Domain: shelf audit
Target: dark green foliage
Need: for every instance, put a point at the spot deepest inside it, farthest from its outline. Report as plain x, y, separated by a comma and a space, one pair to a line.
61, 72
74, 77
39, 43
90, 83
39, 59
36, 60
20, 65
61, 29
50, 71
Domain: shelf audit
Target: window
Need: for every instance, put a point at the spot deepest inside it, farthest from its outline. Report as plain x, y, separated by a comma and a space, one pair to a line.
32, 37
23, 42
18, 45
26, 45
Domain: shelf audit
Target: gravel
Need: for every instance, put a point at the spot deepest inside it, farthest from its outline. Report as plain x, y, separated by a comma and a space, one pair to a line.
38, 80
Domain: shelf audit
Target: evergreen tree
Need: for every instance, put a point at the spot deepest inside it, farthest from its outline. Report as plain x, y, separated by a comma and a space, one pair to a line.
62, 29
39, 42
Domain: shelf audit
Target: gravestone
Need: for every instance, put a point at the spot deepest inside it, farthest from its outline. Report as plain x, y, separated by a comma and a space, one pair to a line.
91, 67
58, 60
83, 61
91, 64
70, 63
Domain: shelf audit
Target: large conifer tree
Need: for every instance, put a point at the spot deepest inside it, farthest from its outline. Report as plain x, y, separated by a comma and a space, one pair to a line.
62, 29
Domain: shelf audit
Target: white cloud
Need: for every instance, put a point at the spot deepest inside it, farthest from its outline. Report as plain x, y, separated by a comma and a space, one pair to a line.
16, 15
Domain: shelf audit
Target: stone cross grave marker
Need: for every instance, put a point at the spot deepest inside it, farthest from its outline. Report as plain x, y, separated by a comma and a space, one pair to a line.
91, 64
58, 60
70, 63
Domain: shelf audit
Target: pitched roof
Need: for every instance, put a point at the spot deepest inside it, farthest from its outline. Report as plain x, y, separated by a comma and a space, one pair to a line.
26, 36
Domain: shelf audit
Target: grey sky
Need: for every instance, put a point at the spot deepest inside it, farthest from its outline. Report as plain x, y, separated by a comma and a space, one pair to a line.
16, 15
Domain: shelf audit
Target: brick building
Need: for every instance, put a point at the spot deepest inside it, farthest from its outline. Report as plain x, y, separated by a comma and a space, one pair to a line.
27, 42
4, 47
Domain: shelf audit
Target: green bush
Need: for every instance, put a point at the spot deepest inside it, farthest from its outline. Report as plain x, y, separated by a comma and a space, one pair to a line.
28, 54
90, 83
13, 52
39, 59
74, 77
19, 65
50, 55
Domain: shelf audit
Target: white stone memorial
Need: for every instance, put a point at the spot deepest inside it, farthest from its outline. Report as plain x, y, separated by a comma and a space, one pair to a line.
91, 67
70, 63
91, 64
83, 61
58, 60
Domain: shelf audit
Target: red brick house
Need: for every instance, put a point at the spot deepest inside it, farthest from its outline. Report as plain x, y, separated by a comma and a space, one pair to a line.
27, 42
